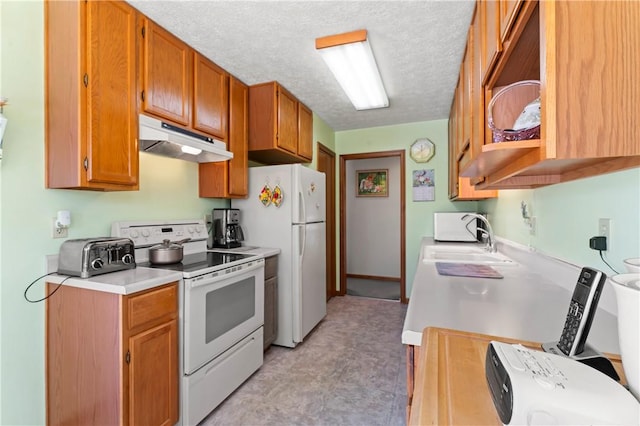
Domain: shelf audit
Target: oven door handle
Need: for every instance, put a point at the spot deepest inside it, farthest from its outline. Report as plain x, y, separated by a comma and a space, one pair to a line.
206, 280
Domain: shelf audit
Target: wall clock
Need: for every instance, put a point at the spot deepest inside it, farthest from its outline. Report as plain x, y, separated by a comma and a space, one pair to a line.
422, 150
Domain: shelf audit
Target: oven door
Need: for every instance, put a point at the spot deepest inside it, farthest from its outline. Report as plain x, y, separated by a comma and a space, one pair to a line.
220, 311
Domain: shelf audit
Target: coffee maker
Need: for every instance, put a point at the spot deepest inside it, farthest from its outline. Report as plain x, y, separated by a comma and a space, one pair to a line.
226, 231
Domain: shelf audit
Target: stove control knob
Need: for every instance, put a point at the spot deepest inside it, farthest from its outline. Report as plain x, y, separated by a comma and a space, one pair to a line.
127, 259
145, 232
97, 264
134, 233
199, 229
190, 229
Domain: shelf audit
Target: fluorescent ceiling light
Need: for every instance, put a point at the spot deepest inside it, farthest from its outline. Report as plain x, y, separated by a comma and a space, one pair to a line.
350, 59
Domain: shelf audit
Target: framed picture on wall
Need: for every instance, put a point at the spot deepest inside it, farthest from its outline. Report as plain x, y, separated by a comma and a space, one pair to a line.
372, 183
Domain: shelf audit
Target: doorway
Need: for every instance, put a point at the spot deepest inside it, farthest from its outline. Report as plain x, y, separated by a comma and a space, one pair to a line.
384, 262
327, 164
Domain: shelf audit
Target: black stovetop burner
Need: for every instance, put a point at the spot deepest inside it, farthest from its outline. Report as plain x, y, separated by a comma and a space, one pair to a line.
201, 262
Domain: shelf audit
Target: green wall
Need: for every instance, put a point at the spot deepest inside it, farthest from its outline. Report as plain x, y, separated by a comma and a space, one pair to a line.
168, 190
419, 214
567, 216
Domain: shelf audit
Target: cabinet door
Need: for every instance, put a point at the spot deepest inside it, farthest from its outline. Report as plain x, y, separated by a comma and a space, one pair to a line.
490, 29
508, 10
270, 311
167, 70
153, 376
287, 137
238, 138
305, 132
477, 92
229, 179
466, 95
210, 97
453, 163
112, 152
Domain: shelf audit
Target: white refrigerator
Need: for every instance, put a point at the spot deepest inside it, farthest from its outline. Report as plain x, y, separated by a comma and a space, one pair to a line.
296, 226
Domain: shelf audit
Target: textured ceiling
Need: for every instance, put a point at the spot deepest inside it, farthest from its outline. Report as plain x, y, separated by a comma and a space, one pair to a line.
418, 46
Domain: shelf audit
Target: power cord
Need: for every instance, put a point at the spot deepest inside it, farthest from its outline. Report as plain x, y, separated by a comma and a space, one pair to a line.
607, 263
48, 295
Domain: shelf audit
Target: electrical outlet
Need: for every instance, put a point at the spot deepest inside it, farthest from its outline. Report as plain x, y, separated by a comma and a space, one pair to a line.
604, 229
207, 218
58, 232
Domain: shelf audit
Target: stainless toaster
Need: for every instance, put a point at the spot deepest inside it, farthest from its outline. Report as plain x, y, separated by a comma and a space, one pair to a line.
87, 257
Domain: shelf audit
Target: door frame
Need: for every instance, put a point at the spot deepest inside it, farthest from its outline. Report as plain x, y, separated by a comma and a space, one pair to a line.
330, 216
343, 215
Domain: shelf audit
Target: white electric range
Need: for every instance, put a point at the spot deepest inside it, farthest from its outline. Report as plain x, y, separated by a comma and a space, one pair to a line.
221, 311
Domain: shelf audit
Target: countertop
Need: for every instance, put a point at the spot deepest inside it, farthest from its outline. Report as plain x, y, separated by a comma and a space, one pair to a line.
451, 387
122, 282
529, 303
138, 279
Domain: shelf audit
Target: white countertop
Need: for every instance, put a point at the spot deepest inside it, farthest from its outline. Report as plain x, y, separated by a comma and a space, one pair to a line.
138, 279
528, 303
122, 282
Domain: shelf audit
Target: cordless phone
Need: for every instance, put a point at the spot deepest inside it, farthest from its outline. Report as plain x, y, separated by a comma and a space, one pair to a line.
581, 311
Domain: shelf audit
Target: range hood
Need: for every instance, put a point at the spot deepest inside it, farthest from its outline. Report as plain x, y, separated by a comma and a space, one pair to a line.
161, 138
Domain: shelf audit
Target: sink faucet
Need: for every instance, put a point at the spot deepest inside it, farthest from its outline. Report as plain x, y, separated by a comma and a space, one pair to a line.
491, 245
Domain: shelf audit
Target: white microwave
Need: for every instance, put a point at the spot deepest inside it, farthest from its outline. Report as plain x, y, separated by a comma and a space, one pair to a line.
450, 226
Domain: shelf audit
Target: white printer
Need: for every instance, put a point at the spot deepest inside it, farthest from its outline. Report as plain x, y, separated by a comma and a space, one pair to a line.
539, 388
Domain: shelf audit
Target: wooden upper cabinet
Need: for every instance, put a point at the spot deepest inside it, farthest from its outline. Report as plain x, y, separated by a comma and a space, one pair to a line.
182, 86
287, 130
229, 179
239, 139
305, 132
275, 128
466, 78
588, 116
490, 42
210, 97
453, 161
507, 11
466, 120
477, 91
166, 74
91, 121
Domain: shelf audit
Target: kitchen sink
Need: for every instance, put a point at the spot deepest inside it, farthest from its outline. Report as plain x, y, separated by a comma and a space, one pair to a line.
463, 254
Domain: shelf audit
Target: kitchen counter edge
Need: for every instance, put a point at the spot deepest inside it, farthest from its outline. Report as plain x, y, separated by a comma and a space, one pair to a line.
531, 270
121, 282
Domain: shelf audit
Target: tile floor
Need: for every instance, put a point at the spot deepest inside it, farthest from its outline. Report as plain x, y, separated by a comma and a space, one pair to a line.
350, 370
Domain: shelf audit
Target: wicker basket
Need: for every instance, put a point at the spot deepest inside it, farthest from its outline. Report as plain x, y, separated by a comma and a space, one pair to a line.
507, 105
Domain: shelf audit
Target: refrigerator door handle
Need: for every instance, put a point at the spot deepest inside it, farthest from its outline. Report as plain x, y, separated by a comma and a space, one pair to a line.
301, 208
303, 242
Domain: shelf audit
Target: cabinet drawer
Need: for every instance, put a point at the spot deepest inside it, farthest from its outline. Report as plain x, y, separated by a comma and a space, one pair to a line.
270, 267
151, 306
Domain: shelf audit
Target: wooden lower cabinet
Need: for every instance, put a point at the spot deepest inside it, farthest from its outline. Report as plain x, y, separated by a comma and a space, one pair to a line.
270, 301
413, 355
112, 359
